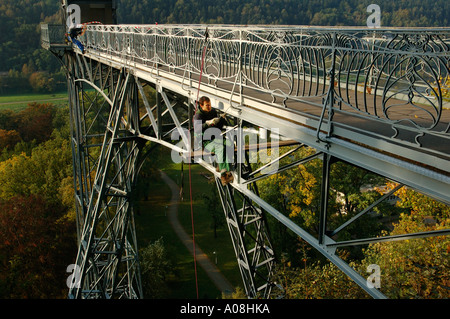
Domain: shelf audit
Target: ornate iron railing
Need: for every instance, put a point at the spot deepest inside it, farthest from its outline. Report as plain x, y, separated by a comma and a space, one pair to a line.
395, 78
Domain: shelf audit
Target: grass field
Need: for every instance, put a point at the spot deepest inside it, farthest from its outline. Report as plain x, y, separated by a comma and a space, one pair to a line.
19, 102
152, 224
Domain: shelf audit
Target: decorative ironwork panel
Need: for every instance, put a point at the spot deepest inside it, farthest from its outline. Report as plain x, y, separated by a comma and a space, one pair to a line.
395, 77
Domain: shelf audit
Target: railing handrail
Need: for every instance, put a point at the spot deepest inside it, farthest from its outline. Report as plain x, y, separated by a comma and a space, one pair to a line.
274, 27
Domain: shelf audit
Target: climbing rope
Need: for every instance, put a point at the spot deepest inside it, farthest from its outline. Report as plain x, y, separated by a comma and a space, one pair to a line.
182, 183
190, 173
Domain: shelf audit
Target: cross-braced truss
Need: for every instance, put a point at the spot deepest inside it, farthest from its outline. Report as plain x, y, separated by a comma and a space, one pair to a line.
251, 242
105, 160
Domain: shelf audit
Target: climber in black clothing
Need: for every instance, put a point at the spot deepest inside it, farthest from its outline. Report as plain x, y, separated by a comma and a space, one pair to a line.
74, 32
209, 119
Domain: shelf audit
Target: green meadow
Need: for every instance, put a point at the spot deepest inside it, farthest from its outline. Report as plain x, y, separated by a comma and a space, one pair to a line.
19, 102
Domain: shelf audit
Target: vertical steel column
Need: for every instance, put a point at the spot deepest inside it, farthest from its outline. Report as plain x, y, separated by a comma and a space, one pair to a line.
159, 115
324, 192
107, 258
251, 242
76, 141
249, 232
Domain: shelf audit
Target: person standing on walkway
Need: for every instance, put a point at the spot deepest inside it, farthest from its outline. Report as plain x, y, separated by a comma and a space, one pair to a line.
208, 118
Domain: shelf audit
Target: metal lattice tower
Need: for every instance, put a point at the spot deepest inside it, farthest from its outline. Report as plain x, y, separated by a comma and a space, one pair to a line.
345, 92
105, 157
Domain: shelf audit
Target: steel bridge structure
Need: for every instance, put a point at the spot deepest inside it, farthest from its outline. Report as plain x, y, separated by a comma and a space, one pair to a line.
373, 98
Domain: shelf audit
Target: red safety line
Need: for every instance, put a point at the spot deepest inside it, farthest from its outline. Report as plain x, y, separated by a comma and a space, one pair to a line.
190, 180
193, 230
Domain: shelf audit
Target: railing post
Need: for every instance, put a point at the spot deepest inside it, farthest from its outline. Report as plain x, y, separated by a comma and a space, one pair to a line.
330, 101
241, 63
155, 52
240, 150
189, 56
159, 112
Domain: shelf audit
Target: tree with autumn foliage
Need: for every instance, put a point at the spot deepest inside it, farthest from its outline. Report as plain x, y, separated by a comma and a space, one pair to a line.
314, 279
444, 83
36, 122
37, 232
37, 218
414, 268
8, 139
35, 248
41, 173
297, 193
420, 267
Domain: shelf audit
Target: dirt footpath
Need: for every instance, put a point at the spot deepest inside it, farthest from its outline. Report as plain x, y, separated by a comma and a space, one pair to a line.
202, 259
